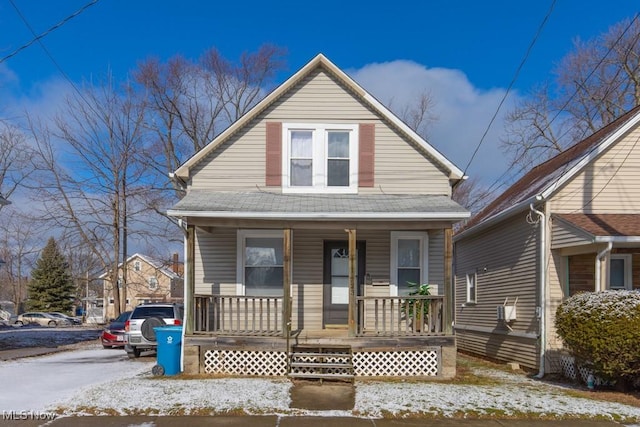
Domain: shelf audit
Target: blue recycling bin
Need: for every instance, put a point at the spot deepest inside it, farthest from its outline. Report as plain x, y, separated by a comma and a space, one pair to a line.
169, 340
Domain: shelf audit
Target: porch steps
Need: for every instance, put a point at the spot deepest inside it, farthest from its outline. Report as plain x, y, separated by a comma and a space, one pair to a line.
321, 362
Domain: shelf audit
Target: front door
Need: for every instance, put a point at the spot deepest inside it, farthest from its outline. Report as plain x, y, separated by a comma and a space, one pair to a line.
336, 280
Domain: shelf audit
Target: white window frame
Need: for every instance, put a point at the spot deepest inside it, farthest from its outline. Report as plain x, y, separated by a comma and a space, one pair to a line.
628, 272
472, 277
320, 157
151, 279
136, 266
242, 236
424, 251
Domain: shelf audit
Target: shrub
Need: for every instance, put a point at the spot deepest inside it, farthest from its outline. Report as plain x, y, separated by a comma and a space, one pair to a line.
602, 330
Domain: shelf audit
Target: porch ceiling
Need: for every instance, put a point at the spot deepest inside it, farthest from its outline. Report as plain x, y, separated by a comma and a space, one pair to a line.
265, 205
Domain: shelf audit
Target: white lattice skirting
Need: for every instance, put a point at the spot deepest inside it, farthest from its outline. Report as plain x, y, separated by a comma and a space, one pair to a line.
365, 364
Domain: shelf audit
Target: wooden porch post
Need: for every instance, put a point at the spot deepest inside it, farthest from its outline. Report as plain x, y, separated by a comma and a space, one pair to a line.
189, 298
447, 315
286, 282
352, 282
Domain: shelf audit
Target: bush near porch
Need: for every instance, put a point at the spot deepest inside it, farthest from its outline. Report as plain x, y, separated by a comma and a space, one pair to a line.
602, 331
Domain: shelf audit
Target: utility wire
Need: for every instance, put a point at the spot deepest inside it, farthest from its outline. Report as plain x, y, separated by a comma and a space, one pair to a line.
515, 77
566, 103
46, 51
55, 27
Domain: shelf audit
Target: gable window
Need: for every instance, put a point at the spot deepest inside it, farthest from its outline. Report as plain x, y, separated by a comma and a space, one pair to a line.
260, 262
136, 265
153, 283
620, 271
320, 158
409, 257
472, 289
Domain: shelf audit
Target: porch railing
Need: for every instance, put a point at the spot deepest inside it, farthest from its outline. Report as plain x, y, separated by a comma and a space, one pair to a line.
238, 315
400, 316
376, 316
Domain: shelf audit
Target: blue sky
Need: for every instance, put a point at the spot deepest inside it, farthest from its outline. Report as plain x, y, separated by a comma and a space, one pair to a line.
465, 52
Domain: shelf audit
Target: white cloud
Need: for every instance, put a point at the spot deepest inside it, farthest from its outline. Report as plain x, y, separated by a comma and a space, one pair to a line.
463, 111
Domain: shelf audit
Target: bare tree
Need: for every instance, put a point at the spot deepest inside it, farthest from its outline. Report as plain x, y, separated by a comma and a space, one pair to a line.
595, 84
15, 159
192, 102
91, 175
20, 242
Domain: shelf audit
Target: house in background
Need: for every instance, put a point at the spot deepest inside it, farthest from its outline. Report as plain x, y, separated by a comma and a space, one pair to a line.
305, 221
148, 280
571, 224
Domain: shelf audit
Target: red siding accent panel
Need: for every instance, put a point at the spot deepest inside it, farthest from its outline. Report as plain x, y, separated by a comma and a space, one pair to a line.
367, 135
274, 155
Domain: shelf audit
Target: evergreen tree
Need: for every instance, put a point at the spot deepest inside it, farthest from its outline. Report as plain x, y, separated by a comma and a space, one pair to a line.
51, 287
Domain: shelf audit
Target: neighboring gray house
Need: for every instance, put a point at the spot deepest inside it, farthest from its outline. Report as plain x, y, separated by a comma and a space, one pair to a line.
571, 224
305, 221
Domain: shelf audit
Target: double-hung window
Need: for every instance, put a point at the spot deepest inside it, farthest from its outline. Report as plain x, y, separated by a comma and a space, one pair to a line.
409, 264
260, 262
320, 158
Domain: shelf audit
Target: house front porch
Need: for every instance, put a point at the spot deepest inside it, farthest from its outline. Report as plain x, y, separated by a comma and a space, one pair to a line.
394, 336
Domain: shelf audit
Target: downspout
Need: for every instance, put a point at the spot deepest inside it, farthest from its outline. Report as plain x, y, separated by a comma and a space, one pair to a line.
543, 289
599, 257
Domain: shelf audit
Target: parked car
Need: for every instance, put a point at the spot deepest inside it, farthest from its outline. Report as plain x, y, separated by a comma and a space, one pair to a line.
113, 334
72, 320
42, 319
139, 331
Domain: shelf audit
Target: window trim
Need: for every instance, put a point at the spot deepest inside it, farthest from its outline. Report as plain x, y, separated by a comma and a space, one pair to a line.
242, 235
423, 236
137, 266
628, 271
320, 157
469, 300
157, 283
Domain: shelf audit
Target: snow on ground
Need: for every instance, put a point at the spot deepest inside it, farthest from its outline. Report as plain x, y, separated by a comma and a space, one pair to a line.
35, 383
96, 381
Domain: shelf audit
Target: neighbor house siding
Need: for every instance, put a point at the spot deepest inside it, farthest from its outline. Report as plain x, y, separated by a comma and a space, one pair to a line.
504, 258
239, 163
610, 184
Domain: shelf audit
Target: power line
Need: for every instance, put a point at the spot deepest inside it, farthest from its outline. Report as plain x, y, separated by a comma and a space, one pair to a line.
515, 77
55, 27
46, 51
497, 182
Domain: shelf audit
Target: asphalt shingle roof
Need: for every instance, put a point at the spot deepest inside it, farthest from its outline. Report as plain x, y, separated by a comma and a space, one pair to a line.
606, 224
204, 201
547, 174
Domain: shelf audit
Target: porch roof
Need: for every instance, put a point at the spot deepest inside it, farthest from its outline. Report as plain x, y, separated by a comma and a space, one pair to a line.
205, 203
605, 225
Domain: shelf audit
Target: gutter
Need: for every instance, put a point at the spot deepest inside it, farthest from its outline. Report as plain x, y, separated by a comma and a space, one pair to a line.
543, 289
599, 257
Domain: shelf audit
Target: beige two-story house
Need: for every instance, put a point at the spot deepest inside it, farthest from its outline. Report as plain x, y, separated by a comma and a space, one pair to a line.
307, 222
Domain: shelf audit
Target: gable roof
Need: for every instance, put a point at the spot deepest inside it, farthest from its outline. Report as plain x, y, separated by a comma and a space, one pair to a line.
157, 264
320, 61
545, 179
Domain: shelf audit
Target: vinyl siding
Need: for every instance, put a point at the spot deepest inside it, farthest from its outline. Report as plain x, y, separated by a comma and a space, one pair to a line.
215, 262
564, 236
239, 163
610, 184
508, 253
215, 266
